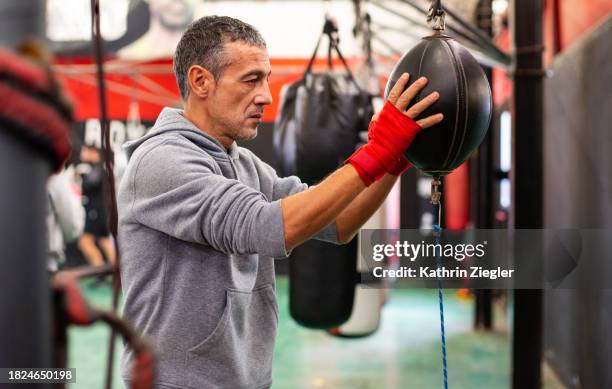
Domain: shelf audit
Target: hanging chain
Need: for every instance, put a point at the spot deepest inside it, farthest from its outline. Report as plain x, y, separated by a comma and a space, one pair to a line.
435, 16
437, 230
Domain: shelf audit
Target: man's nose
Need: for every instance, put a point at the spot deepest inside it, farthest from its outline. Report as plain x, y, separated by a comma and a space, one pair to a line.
264, 96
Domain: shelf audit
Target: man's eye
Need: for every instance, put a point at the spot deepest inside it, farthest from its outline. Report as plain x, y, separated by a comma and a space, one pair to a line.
253, 81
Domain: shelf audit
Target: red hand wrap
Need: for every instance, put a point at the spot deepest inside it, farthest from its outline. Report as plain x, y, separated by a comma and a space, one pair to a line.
400, 167
389, 136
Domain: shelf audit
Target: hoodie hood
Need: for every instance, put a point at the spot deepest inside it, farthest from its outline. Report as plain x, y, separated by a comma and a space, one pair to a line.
172, 120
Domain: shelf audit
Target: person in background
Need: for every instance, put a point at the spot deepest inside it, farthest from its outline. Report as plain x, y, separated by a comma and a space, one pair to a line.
65, 217
97, 232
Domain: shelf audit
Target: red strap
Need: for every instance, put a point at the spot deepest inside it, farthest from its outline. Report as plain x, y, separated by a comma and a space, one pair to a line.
23, 70
80, 313
76, 307
43, 123
31, 109
143, 370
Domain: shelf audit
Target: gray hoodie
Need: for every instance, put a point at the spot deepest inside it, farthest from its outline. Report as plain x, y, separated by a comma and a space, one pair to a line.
198, 229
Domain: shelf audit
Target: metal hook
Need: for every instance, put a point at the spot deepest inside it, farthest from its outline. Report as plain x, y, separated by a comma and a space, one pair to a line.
435, 16
435, 192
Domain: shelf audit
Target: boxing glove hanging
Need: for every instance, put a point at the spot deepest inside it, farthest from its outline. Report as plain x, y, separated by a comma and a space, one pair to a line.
465, 101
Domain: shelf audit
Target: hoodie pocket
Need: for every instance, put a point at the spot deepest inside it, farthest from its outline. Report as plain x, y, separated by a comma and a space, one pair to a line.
238, 353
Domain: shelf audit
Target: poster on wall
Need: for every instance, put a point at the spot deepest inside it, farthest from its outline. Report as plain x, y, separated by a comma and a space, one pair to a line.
132, 29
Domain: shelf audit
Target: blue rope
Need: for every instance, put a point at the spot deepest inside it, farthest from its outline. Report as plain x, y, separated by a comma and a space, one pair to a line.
437, 230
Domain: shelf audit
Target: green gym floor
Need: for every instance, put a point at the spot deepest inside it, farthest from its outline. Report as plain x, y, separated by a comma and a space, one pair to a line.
403, 353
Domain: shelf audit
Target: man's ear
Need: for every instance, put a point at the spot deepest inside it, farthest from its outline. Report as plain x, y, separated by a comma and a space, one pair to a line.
200, 81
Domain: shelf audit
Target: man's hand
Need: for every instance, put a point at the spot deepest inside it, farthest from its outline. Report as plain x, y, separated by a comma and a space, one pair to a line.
392, 131
308, 212
401, 99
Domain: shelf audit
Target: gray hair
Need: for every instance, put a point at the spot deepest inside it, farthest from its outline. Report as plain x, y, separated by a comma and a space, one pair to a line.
203, 44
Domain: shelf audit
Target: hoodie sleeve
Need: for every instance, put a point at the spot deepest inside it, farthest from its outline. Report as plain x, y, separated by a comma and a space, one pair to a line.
287, 186
177, 191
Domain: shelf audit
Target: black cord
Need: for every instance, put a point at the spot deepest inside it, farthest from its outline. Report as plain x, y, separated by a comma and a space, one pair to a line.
367, 40
109, 167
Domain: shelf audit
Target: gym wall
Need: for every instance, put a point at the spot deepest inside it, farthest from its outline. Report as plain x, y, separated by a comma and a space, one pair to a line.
578, 194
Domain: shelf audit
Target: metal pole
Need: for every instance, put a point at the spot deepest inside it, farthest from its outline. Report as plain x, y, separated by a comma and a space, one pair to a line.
466, 31
25, 338
409, 210
483, 178
526, 177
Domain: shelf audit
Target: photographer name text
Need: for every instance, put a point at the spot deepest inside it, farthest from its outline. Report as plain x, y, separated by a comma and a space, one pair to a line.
443, 272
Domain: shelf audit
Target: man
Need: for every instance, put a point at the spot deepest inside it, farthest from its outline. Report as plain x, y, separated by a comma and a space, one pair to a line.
201, 218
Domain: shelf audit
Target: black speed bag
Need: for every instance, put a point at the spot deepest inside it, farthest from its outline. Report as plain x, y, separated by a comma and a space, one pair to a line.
465, 100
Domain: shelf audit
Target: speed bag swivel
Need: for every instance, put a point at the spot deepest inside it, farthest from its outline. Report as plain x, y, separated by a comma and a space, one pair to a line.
465, 101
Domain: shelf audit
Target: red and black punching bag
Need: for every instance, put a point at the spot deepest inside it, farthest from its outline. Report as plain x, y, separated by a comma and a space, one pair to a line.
465, 100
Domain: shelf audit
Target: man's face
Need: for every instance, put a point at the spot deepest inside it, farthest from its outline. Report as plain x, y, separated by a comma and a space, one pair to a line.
174, 15
237, 99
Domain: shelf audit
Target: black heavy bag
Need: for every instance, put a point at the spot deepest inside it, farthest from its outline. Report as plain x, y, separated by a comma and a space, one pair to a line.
465, 101
322, 279
319, 120
316, 130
